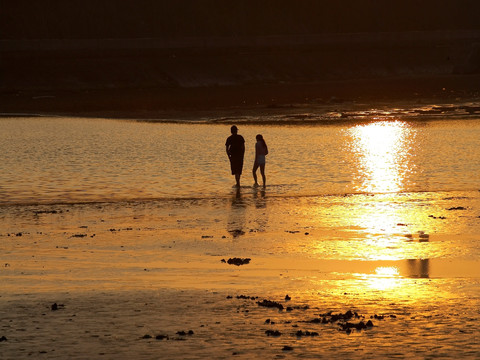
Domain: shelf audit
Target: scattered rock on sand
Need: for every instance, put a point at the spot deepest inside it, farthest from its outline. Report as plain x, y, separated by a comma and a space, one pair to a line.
301, 333
161, 337
273, 333
457, 208
237, 261
38, 212
3, 338
246, 297
270, 304
358, 326
437, 217
237, 232
184, 333
287, 348
56, 306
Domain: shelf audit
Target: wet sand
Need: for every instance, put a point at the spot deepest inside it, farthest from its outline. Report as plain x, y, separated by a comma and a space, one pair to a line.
152, 279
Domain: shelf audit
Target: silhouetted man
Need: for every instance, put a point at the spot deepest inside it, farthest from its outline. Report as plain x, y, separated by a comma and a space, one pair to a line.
235, 147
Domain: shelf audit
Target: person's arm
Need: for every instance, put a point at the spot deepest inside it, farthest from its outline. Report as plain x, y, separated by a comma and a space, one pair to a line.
227, 149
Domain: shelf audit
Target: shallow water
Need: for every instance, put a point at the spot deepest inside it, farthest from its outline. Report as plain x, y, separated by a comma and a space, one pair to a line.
126, 223
69, 160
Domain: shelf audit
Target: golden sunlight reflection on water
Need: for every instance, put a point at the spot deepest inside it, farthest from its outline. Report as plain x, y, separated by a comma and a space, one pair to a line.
385, 277
384, 157
383, 154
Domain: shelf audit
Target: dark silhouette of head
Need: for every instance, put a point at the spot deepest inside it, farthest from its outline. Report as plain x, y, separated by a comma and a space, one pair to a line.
234, 130
259, 137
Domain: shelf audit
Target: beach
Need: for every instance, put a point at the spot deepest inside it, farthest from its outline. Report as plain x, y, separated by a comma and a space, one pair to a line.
114, 247
123, 275
121, 236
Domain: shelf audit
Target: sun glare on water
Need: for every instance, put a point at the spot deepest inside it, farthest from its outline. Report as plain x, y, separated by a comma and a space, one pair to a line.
383, 154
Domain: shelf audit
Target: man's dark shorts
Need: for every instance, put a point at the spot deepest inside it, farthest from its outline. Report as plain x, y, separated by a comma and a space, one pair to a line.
236, 164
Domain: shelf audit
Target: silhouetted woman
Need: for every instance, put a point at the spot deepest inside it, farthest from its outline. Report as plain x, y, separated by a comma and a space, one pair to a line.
261, 150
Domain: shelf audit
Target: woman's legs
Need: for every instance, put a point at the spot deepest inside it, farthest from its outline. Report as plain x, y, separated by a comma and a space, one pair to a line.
262, 171
254, 172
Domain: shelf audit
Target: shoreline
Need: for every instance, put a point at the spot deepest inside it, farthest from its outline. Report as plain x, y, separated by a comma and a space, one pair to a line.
176, 103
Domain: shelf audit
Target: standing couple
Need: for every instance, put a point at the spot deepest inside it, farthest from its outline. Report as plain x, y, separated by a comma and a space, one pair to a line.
235, 147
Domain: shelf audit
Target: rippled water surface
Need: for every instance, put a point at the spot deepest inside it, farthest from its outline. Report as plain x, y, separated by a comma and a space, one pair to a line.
63, 160
127, 223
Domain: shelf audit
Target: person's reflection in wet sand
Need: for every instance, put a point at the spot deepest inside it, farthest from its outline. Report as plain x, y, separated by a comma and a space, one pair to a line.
236, 217
419, 268
260, 200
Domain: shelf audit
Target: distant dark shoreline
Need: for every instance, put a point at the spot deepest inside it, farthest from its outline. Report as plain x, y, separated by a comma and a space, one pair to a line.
166, 77
155, 103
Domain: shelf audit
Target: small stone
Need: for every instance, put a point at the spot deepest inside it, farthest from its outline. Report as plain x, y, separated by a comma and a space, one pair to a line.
287, 298
161, 337
287, 348
54, 307
3, 338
